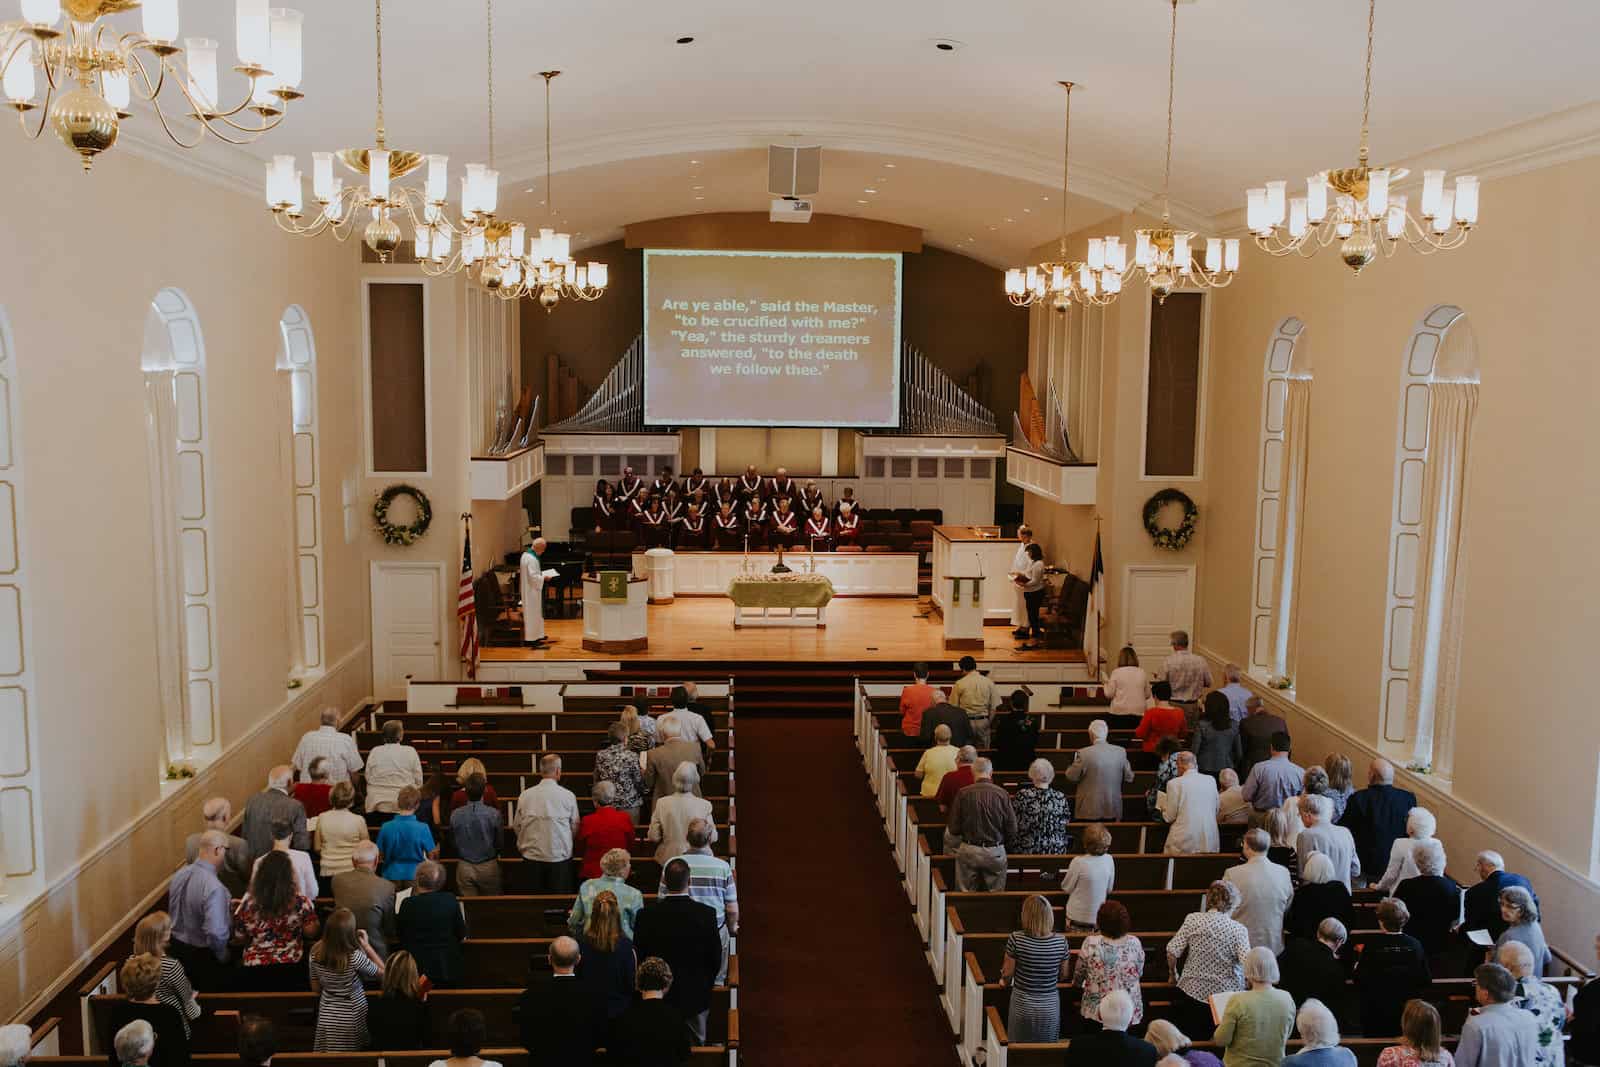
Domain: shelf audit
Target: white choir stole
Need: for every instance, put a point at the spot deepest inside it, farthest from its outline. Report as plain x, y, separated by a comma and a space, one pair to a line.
816, 529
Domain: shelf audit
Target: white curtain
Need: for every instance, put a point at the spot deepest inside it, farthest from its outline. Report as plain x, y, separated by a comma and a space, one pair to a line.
1441, 563
1291, 513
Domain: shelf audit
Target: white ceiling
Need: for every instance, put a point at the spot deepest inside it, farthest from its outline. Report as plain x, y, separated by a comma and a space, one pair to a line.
1266, 88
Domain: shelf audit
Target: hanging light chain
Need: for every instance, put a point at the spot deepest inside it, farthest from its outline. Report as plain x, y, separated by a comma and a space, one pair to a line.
549, 191
490, 5
1172, 81
1066, 155
1366, 96
378, 10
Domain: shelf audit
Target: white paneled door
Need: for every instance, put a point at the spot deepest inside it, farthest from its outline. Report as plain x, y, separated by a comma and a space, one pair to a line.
406, 613
1157, 599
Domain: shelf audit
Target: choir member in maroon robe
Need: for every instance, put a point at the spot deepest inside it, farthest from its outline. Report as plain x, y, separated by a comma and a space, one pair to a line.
810, 497
691, 532
847, 497
701, 497
726, 529
655, 529
847, 527
726, 492
819, 531
635, 509
673, 504
664, 481
695, 482
785, 529
755, 520
628, 486
781, 485
604, 506
749, 483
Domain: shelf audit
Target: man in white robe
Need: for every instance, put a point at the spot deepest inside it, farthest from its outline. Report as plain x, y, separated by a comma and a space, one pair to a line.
1019, 563
533, 593
1190, 805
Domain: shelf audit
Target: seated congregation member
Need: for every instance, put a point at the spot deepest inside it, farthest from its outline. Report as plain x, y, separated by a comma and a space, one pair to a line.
750, 483
607, 965
692, 725
1257, 1022
399, 1019
916, 699
431, 927
1112, 1044
603, 830
1232, 807
135, 1045
1264, 892
475, 833
1319, 896
1175, 1047
1498, 1034
617, 765
1042, 814
273, 805
1089, 878
603, 506
1101, 770
1109, 960
561, 1019
1421, 1039
673, 504
1434, 901
1392, 969
469, 1032
976, 695
367, 896
1310, 968
138, 979
1377, 815
1275, 779
846, 526
1190, 805
339, 831
151, 938
783, 529
391, 767
684, 934
1036, 960
271, 927
313, 794
957, 780
1402, 860
404, 841
235, 870
651, 1033
340, 963
1216, 741
1206, 957
1162, 719
1319, 1036
1520, 912
327, 742
1482, 907
691, 532
944, 713
755, 515
470, 766
547, 819
983, 819
661, 763
1015, 735
670, 817
305, 872
611, 877
817, 534
727, 529
1536, 998
937, 762
1320, 834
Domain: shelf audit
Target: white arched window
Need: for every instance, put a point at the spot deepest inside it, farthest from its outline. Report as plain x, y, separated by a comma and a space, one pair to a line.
1427, 539
297, 358
178, 435
1280, 499
21, 821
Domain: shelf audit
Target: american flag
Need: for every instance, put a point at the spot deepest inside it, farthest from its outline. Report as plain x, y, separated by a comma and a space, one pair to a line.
467, 610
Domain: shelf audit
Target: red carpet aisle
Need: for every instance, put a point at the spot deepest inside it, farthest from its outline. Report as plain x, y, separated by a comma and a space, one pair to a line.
831, 971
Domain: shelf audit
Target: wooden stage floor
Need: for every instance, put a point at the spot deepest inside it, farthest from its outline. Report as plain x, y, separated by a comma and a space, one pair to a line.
859, 628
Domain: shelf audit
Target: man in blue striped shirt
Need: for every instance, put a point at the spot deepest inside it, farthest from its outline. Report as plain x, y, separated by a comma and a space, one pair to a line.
711, 883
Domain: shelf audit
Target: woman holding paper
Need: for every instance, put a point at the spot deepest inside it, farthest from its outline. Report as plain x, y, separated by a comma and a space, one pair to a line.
1255, 1024
1019, 563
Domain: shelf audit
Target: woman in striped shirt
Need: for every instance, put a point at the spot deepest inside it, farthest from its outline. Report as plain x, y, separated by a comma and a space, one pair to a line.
1036, 960
152, 936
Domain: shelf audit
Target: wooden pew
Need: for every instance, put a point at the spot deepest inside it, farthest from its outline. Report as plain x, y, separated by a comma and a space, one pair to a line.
511, 784
498, 718
700, 1056
513, 761
514, 872
642, 848
558, 740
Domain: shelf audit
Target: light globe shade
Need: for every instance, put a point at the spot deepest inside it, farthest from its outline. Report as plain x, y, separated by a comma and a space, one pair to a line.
491, 190
438, 183
378, 173
1180, 252
1014, 282
1467, 199
160, 20
1297, 217
1230, 254
599, 275
1116, 255
253, 27
1377, 192
335, 207
563, 247
41, 12
519, 240
1395, 222
1446, 216
117, 89
287, 26
472, 189
322, 175
1255, 201
1097, 253
422, 242
1213, 254
582, 279
1432, 192
202, 53
1317, 198
20, 84
1276, 202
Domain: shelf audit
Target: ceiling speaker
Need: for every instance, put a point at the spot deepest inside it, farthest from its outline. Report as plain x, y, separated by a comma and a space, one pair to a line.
793, 170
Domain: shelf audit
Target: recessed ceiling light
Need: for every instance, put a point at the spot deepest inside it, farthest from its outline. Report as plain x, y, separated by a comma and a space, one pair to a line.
861, 201
869, 190
694, 162
1027, 211
697, 188
994, 227
889, 165
529, 189
1044, 198
699, 198
685, 40
948, 44
1011, 220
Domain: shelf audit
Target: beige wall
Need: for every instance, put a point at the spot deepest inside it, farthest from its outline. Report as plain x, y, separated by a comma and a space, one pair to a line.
87, 254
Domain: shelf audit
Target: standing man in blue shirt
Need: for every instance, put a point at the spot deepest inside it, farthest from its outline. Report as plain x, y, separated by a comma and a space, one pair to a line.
201, 920
404, 841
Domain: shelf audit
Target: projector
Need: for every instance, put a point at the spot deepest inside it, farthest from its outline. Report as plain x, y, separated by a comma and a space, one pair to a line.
790, 209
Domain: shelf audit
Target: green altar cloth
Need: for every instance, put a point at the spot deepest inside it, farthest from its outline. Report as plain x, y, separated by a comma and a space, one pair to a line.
780, 591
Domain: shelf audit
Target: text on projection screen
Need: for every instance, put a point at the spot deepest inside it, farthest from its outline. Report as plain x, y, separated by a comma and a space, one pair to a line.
772, 338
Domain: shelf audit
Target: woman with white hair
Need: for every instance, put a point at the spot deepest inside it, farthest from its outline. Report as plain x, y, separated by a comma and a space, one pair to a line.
134, 1044
1210, 946
1319, 1036
1521, 914
669, 821
1320, 896
1420, 826
1256, 1023
1112, 1044
1174, 1045
1536, 998
16, 1045
1434, 900
1042, 814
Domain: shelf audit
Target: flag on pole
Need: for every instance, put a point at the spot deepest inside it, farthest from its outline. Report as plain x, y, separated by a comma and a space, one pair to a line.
1095, 611
467, 609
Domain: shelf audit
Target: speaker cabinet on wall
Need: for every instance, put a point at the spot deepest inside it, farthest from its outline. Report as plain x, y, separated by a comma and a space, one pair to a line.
794, 170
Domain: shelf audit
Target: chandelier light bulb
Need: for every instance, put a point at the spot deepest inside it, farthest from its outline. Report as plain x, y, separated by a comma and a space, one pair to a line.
1395, 223
41, 12
582, 280
296, 195
1180, 252
287, 27
1097, 253
1144, 253
1255, 211
1111, 281
202, 55
519, 240
160, 20
422, 240
19, 81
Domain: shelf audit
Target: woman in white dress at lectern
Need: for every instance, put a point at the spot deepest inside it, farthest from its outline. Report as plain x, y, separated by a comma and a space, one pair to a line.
1019, 563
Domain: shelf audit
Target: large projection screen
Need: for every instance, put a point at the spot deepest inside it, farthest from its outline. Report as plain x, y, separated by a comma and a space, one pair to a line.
771, 338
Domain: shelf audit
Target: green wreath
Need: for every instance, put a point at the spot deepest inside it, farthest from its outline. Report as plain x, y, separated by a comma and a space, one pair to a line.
1171, 538
402, 535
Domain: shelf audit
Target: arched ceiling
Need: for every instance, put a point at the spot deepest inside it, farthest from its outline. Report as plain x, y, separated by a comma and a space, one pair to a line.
1266, 88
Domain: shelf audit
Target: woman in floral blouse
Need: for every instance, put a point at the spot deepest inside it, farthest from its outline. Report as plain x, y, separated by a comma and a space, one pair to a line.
1108, 960
1166, 770
1042, 814
1211, 946
272, 923
618, 763
1536, 998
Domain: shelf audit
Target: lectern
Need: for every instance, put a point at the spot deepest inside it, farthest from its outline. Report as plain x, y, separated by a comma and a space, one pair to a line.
963, 611
615, 612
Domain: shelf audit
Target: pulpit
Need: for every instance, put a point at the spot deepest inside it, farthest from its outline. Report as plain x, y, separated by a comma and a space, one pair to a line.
615, 612
963, 610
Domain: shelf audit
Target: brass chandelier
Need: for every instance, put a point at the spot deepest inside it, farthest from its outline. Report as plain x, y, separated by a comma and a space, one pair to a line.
1363, 213
109, 67
1064, 281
